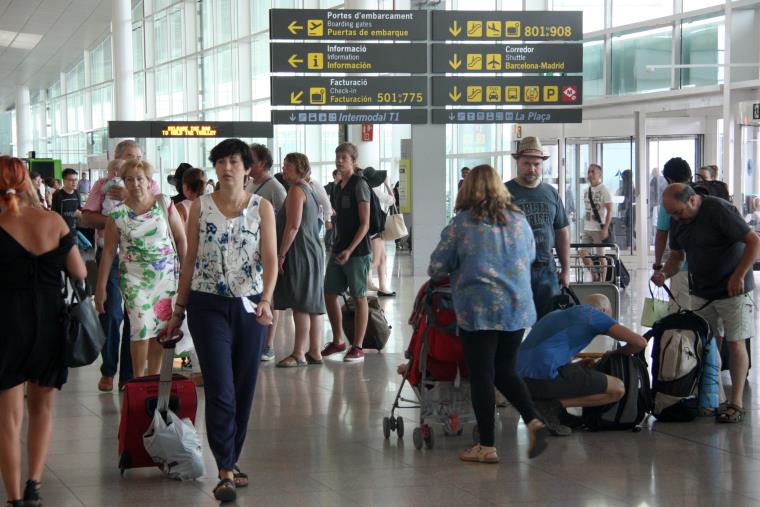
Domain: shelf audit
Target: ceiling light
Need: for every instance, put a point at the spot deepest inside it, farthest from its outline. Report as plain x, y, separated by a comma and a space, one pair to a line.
6, 37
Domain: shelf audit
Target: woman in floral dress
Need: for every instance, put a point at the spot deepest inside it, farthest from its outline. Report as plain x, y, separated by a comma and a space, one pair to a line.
149, 266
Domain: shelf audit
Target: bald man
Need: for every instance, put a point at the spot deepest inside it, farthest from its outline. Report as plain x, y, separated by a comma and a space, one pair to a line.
544, 360
720, 249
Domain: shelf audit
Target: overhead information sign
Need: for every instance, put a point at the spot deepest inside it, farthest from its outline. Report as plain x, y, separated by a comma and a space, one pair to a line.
756, 111
484, 58
568, 115
348, 58
527, 90
507, 25
349, 91
158, 129
321, 24
392, 116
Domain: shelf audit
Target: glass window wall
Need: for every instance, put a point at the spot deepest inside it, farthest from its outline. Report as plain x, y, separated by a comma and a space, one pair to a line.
632, 53
593, 12
702, 43
625, 12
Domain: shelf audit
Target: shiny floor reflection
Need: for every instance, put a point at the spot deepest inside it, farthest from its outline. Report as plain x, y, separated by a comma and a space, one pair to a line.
315, 438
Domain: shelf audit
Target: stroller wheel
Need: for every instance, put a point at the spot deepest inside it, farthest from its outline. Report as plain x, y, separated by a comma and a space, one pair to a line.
417, 438
386, 427
392, 422
399, 427
427, 436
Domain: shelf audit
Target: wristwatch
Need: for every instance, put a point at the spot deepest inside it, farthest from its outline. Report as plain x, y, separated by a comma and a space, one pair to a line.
657, 267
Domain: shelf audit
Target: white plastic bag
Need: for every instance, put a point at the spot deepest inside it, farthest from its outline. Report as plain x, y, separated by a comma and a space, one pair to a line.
175, 446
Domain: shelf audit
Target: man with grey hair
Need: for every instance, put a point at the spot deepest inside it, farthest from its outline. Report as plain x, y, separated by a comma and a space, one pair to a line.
544, 360
720, 248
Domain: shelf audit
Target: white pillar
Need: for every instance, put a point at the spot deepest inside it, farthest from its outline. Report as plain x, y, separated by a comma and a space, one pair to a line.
24, 142
642, 191
121, 42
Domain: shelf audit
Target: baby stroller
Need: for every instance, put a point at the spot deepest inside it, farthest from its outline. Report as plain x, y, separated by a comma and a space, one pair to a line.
435, 370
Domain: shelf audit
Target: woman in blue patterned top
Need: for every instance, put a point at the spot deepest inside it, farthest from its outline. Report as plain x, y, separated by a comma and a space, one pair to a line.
227, 281
487, 250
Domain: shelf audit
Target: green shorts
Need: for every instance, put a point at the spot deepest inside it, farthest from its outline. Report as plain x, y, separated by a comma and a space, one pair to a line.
352, 276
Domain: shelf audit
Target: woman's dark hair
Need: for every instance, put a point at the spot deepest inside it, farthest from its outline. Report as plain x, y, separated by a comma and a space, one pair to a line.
230, 147
677, 170
485, 196
195, 179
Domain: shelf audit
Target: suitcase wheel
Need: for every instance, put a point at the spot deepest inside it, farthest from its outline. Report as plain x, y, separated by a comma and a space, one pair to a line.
125, 460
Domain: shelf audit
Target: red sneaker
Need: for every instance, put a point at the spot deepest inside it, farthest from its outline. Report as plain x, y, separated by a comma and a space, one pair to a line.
331, 349
355, 355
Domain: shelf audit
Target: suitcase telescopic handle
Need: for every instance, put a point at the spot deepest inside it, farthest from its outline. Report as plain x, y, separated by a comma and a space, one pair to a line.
167, 365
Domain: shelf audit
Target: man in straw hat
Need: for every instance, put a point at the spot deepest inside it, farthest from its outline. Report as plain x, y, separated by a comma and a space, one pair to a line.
546, 214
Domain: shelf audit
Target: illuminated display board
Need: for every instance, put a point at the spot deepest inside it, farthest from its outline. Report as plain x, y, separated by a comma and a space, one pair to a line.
189, 129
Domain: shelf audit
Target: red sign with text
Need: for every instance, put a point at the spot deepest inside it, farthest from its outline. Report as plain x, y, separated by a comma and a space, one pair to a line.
366, 132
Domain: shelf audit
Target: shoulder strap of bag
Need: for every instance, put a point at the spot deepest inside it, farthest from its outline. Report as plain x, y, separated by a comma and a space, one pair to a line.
261, 185
162, 203
594, 210
680, 308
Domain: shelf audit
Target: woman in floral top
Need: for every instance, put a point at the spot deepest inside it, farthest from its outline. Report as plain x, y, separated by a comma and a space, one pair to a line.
487, 250
148, 267
227, 286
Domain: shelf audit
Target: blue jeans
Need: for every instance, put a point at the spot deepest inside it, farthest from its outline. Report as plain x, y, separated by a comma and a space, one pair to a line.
111, 321
544, 282
228, 341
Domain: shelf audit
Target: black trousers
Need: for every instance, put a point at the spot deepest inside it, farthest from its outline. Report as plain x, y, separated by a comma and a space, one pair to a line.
491, 356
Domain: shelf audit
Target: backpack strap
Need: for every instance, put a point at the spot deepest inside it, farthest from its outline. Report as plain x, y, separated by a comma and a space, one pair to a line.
594, 209
680, 308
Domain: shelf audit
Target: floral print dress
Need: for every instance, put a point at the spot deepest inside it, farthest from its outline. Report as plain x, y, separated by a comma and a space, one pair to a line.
148, 268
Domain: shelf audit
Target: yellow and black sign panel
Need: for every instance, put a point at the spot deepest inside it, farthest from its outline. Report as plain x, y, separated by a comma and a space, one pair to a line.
158, 129
350, 91
507, 25
522, 58
339, 24
348, 58
524, 90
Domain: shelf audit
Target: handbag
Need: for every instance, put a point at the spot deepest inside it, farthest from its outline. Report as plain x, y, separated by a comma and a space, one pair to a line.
83, 333
395, 227
654, 309
610, 239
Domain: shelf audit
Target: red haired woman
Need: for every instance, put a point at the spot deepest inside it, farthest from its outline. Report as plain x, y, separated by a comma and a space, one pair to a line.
35, 246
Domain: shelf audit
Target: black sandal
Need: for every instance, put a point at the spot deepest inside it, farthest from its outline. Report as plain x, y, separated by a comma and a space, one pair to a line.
225, 491
32, 496
14, 503
241, 479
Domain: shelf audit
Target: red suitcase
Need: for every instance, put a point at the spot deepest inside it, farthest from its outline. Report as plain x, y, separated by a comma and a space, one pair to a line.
141, 397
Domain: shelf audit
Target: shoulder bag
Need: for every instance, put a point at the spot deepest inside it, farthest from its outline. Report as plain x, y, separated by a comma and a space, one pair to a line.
83, 333
395, 227
610, 239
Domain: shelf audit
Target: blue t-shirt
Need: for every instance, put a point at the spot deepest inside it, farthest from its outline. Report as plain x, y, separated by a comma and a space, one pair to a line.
557, 337
663, 224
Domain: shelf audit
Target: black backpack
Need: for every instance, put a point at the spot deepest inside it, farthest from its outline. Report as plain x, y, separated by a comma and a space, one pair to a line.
712, 188
632, 409
565, 299
677, 360
376, 215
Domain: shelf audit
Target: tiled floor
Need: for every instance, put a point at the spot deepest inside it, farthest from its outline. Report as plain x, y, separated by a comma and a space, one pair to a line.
315, 438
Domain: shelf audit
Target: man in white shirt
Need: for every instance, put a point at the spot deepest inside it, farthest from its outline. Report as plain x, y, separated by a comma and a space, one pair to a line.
596, 226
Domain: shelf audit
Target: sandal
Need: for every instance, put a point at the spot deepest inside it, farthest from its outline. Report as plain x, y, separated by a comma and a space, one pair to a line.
732, 414
292, 362
14, 503
32, 494
387, 294
537, 440
311, 360
722, 408
241, 478
225, 491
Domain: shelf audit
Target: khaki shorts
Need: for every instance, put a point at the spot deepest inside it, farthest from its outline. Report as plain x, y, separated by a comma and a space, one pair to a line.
737, 314
593, 237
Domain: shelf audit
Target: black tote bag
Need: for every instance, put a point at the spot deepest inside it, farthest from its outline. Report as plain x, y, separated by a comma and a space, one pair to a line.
82, 330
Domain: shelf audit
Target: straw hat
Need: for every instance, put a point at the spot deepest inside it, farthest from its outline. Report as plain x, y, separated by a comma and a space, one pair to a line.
530, 147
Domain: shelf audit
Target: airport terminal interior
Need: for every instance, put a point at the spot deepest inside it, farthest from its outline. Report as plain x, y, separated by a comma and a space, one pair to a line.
648, 80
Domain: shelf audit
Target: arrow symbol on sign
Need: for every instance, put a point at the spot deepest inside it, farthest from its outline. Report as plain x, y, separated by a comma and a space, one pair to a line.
294, 60
294, 27
455, 29
455, 62
292, 117
452, 116
295, 98
455, 95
